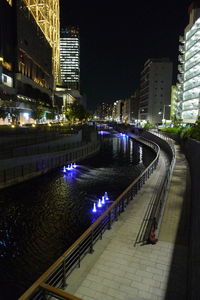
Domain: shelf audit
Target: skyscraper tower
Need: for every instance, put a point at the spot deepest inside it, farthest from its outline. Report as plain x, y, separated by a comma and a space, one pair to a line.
189, 59
70, 57
47, 16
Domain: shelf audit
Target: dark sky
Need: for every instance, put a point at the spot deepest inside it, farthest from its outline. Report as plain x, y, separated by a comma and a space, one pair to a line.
117, 38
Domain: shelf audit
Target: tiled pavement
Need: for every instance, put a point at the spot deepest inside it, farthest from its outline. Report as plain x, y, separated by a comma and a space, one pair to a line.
118, 270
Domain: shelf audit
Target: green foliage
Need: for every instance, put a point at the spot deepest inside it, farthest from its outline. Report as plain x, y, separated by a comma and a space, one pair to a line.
37, 113
185, 132
195, 131
76, 112
3, 113
51, 115
177, 122
148, 126
190, 131
172, 130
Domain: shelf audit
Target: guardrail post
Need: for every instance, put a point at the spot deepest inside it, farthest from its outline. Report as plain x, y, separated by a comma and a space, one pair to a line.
64, 272
91, 244
123, 205
44, 294
109, 220
79, 256
116, 215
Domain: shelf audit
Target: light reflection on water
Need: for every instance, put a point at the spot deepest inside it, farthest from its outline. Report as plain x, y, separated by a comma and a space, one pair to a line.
41, 218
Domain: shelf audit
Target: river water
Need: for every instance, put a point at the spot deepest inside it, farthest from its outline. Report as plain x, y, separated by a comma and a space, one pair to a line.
41, 218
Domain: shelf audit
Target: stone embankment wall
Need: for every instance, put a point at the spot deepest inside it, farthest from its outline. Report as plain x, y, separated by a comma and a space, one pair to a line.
33, 160
192, 152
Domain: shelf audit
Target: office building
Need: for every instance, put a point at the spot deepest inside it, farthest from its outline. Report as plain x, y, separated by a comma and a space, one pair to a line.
7, 53
70, 57
189, 67
47, 16
26, 80
155, 90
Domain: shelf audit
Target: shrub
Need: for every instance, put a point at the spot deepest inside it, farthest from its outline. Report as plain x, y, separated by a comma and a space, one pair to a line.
195, 131
148, 125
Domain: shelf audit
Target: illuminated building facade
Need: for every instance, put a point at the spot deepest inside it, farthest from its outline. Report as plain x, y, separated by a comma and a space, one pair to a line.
34, 56
7, 54
10, 2
47, 16
26, 80
155, 90
70, 57
189, 67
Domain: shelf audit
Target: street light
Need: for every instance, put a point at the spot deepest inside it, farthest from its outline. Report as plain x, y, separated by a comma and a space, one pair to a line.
163, 119
139, 112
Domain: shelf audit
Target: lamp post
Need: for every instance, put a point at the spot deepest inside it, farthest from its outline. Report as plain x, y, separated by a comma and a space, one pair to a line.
163, 119
139, 111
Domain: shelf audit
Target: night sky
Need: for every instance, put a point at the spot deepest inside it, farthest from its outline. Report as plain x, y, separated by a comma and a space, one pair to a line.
117, 38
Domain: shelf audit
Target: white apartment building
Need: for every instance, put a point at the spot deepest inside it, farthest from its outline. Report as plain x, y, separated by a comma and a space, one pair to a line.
155, 90
189, 68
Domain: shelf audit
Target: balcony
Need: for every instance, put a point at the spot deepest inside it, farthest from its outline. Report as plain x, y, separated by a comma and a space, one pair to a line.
181, 39
181, 58
182, 49
181, 68
180, 78
179, 87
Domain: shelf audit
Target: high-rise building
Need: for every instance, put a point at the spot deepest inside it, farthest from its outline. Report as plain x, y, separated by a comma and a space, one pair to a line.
47, 16
189, 67
26, 80
10, 2
7, 52
33, 64
155, 90
174, 104
70, 57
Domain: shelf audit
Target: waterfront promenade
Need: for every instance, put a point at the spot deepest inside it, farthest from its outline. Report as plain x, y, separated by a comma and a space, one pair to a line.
118, 270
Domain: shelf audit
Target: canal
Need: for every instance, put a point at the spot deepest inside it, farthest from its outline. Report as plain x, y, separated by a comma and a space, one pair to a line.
41, 218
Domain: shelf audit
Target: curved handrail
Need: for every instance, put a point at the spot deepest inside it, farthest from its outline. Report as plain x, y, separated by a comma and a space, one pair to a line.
157, 202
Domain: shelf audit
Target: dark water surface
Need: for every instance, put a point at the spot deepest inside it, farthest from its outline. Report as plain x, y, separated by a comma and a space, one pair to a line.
41, 218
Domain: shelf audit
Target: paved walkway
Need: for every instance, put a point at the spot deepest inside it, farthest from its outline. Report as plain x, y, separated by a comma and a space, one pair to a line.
118, 270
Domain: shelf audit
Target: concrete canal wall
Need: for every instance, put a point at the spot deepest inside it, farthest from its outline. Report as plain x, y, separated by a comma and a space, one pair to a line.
33, 160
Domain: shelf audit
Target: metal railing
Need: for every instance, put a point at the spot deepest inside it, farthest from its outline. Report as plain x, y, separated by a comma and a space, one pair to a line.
55, 277
156, 204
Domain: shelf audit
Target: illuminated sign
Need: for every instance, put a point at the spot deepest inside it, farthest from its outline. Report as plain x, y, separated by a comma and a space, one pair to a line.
7, 80
5, 64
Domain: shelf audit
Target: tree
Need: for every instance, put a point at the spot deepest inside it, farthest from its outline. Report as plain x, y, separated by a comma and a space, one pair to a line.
37, 113
3, 113
75, 112
148, 125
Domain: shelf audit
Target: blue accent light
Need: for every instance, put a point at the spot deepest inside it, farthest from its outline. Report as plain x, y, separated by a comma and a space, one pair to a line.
94, 208
69, 167
106, 196
102, 132
99, 203
103, 200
